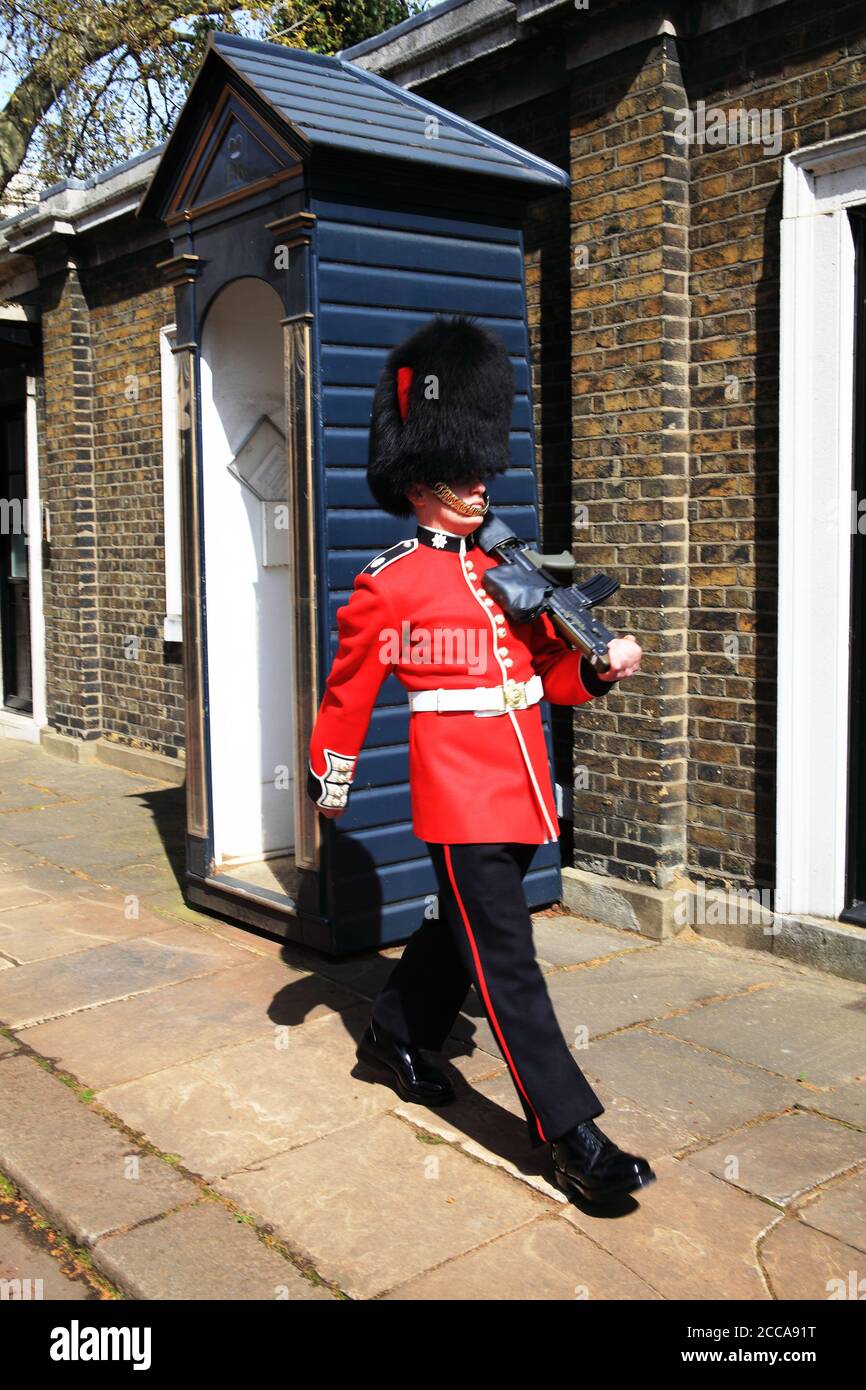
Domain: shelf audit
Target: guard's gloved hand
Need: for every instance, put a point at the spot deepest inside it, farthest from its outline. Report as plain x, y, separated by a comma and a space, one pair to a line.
520, 593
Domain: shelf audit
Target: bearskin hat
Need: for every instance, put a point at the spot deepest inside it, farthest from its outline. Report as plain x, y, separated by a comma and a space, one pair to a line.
441, 410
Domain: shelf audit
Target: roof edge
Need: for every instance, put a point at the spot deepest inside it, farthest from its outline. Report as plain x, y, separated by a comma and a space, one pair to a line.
223, 44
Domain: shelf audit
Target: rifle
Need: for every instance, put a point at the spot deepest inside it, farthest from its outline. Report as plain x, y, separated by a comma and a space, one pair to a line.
525, 588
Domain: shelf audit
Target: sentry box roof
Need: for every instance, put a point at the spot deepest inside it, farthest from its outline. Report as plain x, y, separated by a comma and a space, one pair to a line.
332, 112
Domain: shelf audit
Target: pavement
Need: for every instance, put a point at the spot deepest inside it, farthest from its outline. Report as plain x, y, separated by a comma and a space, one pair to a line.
182, 1114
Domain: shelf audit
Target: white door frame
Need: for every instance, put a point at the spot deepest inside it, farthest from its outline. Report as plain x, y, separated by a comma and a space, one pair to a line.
815, 508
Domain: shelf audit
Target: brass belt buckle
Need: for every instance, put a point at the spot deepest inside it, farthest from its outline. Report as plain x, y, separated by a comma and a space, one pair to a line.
514, 695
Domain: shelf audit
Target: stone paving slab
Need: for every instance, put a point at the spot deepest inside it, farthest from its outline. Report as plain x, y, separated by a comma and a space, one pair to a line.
22, 795
162, 1028
698, 1092
846, 1103
202, 1252
78, 781
802, 1263
8, 1045
24, 1259
472, 1064
544, 1259
42, 833
73, 819
840, 1211
142, 879
18, 830
573, 941
134, 870
78, 1170
647, 985
783, 1158
15, 894
50, 879
13, 859
689, 1235
336, 1197
40, 824
25, 867
94, 782
104, 852
47, 989
240, 1105
803, 1026
89, 916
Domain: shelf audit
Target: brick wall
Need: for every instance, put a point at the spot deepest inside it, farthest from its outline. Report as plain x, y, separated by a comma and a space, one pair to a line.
142, 675
630, 398
542, 127
109, 671
67, 468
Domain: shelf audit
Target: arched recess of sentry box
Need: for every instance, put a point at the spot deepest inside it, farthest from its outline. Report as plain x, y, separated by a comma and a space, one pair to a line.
250, 665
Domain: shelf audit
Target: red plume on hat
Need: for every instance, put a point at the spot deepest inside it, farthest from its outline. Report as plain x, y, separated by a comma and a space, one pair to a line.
441, 410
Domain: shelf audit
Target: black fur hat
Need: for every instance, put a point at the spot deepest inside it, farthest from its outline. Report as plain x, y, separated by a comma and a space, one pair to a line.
457, 399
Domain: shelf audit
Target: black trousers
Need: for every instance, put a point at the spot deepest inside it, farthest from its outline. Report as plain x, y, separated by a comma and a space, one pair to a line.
483, 936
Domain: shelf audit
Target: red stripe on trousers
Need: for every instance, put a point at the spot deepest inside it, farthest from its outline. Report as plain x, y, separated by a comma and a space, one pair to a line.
484, 991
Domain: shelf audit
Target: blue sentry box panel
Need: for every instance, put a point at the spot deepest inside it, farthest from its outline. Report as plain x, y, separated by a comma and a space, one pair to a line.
378, 877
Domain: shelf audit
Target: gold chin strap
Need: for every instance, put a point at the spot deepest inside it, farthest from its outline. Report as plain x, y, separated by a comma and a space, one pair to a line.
445, 494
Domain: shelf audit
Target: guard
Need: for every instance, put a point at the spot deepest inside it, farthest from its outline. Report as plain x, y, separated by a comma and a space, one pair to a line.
481, 791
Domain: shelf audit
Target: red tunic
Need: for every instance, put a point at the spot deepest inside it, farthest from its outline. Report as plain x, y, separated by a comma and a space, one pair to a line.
419, 610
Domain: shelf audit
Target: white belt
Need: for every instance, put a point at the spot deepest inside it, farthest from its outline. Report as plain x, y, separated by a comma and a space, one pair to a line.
489, 699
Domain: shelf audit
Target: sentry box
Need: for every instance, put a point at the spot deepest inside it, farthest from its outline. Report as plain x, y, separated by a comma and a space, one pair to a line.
317, 214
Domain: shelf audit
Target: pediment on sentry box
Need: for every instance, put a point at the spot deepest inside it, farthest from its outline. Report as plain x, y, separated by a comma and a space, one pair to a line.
236, 155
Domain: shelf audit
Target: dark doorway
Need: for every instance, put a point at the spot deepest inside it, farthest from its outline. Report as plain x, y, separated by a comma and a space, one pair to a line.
14, 567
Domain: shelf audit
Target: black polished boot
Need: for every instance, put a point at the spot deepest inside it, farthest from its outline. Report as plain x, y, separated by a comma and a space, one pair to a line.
415, 1078
585, 1161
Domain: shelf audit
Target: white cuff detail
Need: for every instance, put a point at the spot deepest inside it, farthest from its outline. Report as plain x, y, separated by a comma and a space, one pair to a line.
333, 785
